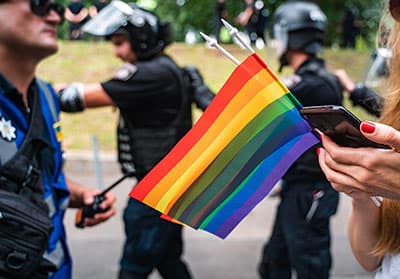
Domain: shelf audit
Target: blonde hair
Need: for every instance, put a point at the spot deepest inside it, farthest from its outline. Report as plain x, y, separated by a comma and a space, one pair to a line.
389, 227
391, 111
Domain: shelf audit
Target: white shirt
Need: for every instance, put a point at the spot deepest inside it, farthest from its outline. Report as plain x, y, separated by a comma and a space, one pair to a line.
390, 267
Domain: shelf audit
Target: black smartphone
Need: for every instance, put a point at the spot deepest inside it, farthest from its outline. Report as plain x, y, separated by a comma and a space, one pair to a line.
342, 126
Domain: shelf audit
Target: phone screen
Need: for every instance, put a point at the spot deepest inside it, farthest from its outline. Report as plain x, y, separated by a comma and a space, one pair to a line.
339, 124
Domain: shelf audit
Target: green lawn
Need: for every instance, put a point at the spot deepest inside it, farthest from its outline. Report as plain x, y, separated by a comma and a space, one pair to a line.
94, 62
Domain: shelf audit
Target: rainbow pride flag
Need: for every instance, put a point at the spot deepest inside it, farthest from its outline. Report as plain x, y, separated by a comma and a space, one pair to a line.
233, 156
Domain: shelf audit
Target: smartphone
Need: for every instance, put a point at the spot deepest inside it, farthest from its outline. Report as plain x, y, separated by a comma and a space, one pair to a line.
342, 126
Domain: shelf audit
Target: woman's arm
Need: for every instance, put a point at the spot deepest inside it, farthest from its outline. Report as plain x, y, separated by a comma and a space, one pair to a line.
364, 230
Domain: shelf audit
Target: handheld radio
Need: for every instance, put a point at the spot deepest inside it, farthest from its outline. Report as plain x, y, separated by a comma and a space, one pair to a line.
88, 211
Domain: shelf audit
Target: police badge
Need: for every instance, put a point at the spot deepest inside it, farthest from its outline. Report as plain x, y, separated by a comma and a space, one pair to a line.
7, 131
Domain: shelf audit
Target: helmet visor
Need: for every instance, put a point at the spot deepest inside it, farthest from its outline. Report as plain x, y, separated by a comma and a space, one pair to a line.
377, 68
281, 38
112, 17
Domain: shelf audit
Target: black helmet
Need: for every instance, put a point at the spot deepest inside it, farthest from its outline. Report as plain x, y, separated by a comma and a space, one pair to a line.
298, 25
147, 35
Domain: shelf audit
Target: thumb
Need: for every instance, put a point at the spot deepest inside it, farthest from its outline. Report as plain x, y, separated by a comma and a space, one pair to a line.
381, 133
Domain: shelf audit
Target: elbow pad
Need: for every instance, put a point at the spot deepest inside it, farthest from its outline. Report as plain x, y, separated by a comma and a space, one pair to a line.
202, 95
71, 98
194, 75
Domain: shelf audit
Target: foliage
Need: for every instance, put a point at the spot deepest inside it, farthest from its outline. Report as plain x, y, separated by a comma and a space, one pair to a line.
367, 13
199, 15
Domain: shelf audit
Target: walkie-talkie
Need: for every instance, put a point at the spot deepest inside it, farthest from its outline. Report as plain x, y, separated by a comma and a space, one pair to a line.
88, 211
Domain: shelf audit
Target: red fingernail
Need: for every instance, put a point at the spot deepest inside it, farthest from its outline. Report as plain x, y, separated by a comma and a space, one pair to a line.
318, 150
368, 127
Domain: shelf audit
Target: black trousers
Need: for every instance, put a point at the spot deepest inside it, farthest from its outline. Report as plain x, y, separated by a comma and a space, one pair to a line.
297, 243
151, 243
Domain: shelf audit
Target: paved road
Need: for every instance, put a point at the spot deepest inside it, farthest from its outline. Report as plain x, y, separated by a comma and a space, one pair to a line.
96, 250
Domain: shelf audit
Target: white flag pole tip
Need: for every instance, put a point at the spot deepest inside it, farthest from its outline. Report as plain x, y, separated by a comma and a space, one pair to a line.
235, 33
213, 43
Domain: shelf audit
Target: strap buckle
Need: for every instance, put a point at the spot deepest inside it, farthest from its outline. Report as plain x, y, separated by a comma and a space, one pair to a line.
31, 177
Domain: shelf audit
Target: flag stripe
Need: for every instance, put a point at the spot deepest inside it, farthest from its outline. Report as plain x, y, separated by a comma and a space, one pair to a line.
246, 197
236, 81
260, 126
251, 182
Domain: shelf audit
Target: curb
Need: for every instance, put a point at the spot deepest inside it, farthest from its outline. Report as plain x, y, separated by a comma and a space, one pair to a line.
82, 161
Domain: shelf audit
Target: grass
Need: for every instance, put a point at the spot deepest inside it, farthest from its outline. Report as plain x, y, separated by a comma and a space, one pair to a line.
90, 62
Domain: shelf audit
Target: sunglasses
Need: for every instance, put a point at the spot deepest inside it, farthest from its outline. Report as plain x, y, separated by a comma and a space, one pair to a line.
43, 8
394, 8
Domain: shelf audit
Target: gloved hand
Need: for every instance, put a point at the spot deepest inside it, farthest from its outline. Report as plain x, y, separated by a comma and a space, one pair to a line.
71, 98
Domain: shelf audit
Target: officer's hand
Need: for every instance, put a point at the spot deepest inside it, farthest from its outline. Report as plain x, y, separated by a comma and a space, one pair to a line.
108, 205
71, 98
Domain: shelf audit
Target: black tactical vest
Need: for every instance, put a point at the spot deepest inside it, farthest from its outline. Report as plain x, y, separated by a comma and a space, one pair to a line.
148, 145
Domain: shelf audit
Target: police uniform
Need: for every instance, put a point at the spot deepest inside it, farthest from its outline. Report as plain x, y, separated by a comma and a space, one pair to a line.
301, 235
14, 124
150, 98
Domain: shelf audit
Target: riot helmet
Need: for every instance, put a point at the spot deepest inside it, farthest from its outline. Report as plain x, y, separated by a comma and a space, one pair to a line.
298, 25
147, 35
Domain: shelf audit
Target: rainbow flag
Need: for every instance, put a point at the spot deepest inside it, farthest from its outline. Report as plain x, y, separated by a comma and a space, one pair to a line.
233, 156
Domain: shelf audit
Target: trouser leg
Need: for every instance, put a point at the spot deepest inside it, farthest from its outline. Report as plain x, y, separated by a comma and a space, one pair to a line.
151, 243
309, 241
172, 266
275, 259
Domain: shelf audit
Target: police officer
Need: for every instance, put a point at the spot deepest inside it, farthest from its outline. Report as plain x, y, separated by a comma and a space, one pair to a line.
27, 36
155, 105
300, 239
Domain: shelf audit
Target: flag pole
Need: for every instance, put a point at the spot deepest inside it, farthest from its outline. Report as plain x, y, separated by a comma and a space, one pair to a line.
213, 43
235, 33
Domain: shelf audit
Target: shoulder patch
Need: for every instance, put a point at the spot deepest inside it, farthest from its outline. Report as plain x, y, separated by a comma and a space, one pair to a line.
291, 80
125, 72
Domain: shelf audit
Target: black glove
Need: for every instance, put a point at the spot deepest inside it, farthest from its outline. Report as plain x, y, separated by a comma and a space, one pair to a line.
71, 98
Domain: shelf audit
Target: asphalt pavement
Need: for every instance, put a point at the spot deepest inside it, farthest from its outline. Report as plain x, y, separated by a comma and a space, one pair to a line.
96, 250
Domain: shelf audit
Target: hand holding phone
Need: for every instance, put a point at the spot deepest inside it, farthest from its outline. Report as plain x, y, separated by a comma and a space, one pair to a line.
339, 124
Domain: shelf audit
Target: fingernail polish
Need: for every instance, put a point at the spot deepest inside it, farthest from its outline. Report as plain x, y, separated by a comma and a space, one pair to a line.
318, 150
368, 127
